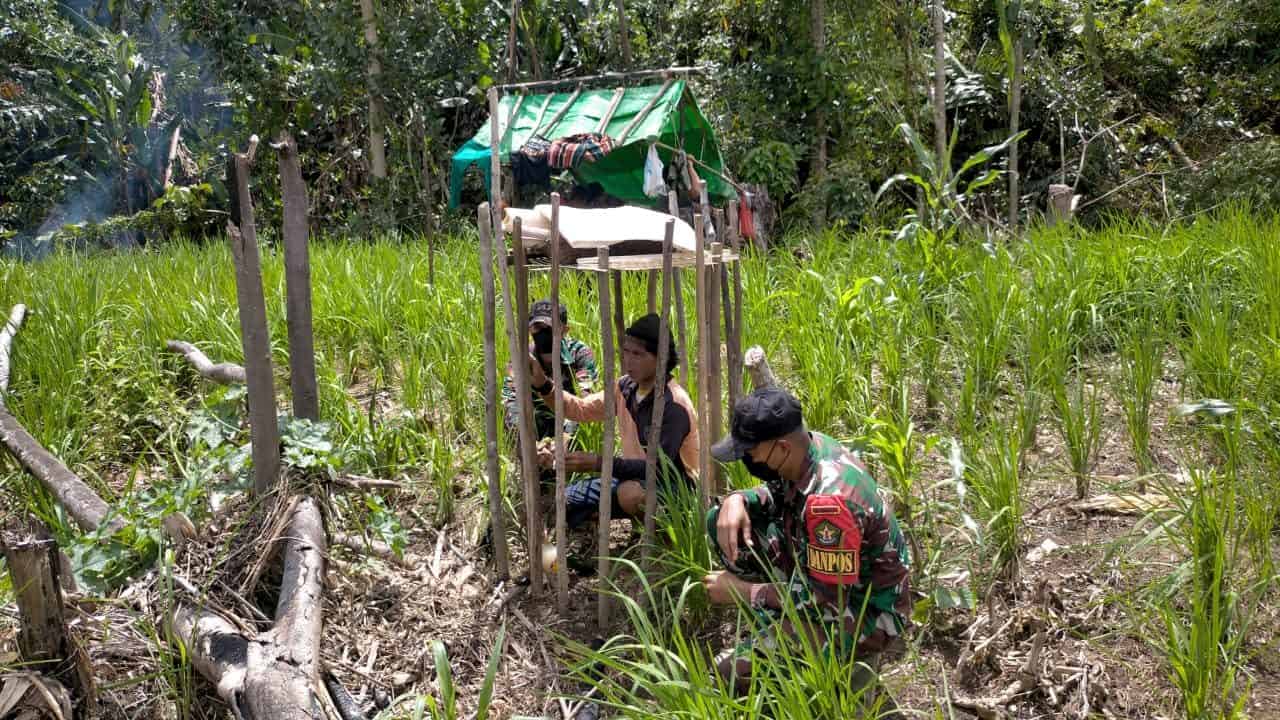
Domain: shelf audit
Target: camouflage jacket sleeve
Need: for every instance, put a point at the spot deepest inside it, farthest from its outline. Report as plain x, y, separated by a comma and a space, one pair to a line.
583, 364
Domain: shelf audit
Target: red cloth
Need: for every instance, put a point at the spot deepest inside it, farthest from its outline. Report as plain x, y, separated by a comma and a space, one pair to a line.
746, 223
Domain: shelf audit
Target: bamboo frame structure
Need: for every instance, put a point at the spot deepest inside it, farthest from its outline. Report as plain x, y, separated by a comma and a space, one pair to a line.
712, 298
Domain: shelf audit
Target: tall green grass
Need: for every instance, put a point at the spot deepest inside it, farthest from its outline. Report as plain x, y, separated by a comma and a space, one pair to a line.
874, 335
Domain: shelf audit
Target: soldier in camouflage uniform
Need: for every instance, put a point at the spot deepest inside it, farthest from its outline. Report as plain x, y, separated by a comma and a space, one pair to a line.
817, 532
577, 361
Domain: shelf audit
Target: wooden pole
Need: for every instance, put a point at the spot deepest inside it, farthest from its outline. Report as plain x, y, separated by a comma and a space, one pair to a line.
726, 305
44, 642
715, 406
682, 336
607, 440
497, 516
495, 165
659, 401
264, 432
528, 438
623, 77
297, 263
619, 309
735, 342
557, 378
700, 315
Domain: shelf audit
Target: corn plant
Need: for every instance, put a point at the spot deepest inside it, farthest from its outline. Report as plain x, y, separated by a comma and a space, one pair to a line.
896, 445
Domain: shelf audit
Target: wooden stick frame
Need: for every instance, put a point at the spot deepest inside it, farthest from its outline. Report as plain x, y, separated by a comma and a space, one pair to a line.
497, 517
557, 378
609, 385
659, 400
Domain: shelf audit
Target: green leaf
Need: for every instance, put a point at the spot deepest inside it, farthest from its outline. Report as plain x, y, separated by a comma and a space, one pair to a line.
486, 688
444, 679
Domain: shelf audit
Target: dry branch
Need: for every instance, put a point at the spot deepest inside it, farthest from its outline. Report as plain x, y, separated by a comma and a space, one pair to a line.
359, 544
224, 373
302, 354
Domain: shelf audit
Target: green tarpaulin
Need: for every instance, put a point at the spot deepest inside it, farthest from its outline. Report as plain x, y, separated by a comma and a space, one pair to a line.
674, 120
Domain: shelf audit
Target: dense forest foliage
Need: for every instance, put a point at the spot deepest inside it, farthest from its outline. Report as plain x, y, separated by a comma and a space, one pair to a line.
1161, 106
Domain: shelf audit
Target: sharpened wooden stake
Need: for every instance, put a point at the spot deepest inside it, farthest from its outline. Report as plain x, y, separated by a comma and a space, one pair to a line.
297, 263
557, 378
607, 431
659, 402
255, 338
497, 516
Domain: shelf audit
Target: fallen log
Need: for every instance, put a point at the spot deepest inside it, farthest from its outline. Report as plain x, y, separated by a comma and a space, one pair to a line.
274, 673
224, 373
78, 499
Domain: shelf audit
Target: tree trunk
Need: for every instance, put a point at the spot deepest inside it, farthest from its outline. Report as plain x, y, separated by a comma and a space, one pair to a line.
1015, 108
818, 36
297, 263
625, 35
377, 134
940, 88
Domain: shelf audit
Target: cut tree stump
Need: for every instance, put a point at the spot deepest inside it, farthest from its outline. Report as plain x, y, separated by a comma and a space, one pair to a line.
44, 642
297, 263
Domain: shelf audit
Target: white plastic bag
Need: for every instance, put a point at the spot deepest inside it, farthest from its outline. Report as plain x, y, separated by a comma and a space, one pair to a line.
654, 186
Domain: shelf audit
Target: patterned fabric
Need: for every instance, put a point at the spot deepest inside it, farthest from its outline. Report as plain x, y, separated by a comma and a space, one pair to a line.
580, 378
843, 561
529, 164
571, 151
582, 500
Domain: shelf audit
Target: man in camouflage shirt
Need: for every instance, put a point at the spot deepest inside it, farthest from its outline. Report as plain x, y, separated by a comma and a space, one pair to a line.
817, 532
578, 366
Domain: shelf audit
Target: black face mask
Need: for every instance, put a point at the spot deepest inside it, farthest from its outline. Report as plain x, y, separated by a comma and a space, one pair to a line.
542, 341
763, 471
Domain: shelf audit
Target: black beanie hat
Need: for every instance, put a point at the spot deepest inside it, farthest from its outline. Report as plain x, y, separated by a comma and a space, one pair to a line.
647, 329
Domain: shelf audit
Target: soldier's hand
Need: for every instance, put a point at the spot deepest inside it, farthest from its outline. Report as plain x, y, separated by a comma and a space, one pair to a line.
537, 376
733, 524
725, 588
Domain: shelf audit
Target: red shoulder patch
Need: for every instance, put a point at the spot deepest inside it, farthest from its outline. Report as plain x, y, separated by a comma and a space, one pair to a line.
835, 540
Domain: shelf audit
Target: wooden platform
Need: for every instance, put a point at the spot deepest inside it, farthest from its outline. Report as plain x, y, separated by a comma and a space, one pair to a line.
654, 261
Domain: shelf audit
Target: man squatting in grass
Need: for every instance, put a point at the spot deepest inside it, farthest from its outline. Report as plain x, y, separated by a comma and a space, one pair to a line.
818, 531
678, 436
578, 373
